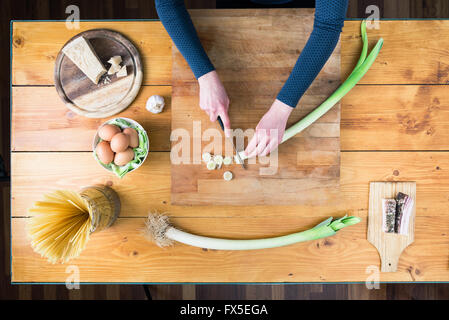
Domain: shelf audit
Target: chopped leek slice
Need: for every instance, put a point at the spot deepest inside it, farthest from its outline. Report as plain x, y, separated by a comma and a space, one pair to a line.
211, 165
227, 176
218, 159
227, 161
206, 157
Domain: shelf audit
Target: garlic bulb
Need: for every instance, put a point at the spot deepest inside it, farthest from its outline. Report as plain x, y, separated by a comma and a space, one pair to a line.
155, 104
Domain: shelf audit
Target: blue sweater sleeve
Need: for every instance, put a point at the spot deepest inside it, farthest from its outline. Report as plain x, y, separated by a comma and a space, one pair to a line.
329, 20
177, 22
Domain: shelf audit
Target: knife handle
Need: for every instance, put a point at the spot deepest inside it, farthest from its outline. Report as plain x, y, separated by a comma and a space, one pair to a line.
220, 122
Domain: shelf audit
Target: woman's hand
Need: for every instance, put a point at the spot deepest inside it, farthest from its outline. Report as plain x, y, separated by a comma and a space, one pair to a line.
269, 131
214, 100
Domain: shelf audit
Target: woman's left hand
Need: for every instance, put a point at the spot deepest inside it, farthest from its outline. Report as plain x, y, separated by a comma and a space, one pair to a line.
269, 131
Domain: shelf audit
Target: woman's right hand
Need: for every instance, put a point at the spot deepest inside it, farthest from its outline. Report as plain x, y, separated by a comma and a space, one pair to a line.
214, 99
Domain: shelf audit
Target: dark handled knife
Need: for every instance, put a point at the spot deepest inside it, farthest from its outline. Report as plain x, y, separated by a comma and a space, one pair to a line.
232, 142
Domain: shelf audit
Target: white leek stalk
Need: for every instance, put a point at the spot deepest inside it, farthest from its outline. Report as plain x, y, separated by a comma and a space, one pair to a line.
160, 231
359, 71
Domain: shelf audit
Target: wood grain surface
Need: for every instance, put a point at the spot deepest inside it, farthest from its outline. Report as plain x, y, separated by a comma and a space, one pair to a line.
404, 59
149, 187
41, 121
33, 62
418, 120
253, 54
121, 254
389, 245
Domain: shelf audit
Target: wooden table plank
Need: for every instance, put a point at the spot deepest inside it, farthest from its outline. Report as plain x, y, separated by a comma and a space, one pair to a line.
413, 117
121, 254
148, 188
41, 122
406, 43
395, 117
414, 52
35, 46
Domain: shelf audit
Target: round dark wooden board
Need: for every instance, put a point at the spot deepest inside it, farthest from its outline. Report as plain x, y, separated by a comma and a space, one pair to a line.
112, 94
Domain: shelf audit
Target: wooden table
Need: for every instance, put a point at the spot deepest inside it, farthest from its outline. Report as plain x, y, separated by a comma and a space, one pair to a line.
394, 127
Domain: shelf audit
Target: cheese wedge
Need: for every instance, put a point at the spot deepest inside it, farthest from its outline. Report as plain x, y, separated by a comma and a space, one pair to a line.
84, 57
114, 69
115, 60
122, 72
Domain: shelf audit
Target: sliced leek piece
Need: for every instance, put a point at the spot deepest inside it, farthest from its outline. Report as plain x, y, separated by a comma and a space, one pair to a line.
206, 157
211, 165
218, 159
227, 161
227, 176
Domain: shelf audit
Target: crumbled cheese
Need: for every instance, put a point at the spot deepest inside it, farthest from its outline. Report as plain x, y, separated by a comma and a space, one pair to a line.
115, 60
122, 72
114, 69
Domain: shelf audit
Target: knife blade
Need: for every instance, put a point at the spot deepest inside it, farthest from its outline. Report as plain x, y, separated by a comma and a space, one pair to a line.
242, 163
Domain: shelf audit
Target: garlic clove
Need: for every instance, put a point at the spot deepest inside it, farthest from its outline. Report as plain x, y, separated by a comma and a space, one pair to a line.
155, 104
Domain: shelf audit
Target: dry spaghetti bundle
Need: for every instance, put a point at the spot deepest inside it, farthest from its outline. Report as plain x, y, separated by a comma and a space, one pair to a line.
60, 226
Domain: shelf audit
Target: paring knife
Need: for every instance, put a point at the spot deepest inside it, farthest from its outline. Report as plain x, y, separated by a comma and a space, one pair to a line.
232, 142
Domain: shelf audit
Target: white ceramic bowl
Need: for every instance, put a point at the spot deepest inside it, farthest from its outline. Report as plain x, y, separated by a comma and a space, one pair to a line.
97, 140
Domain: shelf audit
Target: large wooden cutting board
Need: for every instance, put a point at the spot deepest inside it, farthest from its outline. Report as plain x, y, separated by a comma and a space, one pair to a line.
253, 55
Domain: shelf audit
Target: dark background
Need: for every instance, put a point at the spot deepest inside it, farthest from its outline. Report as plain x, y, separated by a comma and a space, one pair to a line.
143, 9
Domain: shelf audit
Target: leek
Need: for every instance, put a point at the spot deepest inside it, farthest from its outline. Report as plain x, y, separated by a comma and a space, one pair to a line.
359, 71
160, 231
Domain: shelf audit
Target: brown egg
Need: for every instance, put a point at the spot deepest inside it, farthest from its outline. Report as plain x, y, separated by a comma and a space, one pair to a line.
119, 142
107, 131
133, 137
122, 158
104, 152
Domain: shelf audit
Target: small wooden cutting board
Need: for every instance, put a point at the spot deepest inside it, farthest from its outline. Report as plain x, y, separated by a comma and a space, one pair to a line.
389, 245
106, 98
